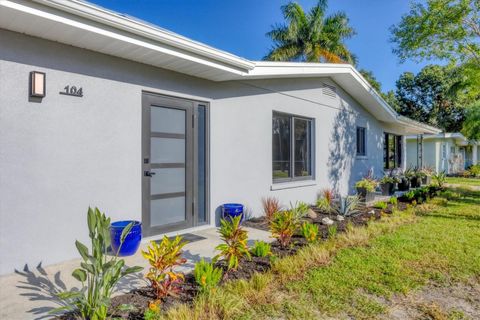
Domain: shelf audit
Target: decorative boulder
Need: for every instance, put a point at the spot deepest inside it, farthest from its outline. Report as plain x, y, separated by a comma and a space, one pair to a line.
371, 212
311, 214
340, 217
327, 221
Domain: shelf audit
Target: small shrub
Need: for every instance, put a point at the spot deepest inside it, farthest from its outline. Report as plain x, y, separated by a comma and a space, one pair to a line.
332, 231
348, 206
283, 226
382, 205
153, 311
393, 201
439, 179
368, 183
98, 273
163, 258
309, 231
261, 249
207, 275
235, 247
450, 195
324, 205
270, 206
299, 210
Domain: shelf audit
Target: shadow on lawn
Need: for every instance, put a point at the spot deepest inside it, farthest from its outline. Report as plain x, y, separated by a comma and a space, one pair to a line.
40, 286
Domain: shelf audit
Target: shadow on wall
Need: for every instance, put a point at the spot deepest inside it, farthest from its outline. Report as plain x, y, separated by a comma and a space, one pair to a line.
341, 150
40, 286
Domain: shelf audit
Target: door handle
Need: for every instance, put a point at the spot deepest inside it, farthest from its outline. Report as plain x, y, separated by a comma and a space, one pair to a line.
149, 174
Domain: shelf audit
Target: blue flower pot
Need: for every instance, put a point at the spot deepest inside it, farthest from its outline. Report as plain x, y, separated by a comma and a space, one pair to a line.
231, 210
132, 241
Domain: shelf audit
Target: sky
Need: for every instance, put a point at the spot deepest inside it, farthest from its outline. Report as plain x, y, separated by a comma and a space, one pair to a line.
239, 27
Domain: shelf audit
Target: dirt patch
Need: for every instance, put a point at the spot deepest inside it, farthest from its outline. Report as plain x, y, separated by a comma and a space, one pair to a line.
456, 301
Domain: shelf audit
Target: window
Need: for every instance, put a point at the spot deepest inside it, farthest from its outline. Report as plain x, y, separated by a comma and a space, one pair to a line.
392, 151
361, 141
291, 147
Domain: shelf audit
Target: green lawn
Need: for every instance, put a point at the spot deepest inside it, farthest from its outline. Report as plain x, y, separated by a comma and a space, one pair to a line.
464, 181
355, 274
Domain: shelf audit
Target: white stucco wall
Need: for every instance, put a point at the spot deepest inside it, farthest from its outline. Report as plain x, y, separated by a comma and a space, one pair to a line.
63, 154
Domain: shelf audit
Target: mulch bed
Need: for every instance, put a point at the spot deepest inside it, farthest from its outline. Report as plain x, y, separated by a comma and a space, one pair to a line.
140, 298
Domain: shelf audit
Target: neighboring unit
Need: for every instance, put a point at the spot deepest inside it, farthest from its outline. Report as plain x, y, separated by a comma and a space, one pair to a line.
99, 109
449, 152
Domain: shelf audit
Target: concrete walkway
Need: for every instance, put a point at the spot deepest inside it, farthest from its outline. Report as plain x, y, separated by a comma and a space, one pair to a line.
30, 293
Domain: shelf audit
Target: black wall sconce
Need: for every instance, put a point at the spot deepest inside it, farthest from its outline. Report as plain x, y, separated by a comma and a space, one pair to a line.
37, 84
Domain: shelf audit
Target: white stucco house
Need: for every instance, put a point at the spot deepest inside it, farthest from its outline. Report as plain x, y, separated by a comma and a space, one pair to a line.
449, 152
99, 109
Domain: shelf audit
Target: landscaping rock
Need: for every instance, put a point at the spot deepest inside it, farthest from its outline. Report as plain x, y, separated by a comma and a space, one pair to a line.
340, 218
371, 212
311, 214
327, 221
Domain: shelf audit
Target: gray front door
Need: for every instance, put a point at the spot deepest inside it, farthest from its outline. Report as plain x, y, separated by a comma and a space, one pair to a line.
167, 164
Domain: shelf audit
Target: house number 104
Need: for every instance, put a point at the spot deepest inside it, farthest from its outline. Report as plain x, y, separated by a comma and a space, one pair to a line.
72, 91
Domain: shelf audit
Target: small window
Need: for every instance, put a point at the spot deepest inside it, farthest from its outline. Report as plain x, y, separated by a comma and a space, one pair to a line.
291, 147
361, 141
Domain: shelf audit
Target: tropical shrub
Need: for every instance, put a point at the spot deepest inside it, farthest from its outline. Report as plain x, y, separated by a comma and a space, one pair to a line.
235, 247
393, 201
283, 226
439, 179
163, 258
380, 205
261, 249
270, 206
98, 273
299, 210
207, 275
368, 183
324, 205
332, 231
348, 206
309, 231
474, 170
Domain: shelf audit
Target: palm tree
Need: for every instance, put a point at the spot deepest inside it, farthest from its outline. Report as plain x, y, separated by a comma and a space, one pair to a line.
311, 36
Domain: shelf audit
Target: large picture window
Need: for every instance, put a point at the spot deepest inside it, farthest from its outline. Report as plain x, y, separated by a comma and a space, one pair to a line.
392, 150
292, 147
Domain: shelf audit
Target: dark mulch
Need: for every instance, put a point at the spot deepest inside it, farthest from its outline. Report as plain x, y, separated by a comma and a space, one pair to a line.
246, 269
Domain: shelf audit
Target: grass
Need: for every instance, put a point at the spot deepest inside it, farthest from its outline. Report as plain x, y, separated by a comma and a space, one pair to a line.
463, 181
352, 274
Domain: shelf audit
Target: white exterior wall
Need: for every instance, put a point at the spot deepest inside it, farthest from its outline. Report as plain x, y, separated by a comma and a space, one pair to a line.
64, 154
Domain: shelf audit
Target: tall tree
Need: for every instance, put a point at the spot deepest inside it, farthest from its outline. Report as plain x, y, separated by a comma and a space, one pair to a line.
389, 96
442, 29
471, 126
312, 36
429, 97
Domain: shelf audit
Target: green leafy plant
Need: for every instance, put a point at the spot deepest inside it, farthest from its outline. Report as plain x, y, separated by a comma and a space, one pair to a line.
261, 249
163, 258
348, 206
393, 201
153, 311
270, 206
474, 170
309, 231
283, 226
332, 231
367, 183
299, 210
428, 171
207, 275
439, 179
325, 200
381, 205
235, 247
98, 273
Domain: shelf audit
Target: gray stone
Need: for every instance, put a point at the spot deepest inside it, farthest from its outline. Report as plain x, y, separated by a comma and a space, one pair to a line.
311, 214
340, 218
327, 221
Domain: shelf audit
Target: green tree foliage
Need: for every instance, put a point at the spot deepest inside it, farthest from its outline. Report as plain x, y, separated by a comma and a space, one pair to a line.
312, 36
368, 75
431, 97
442, 29
471, 126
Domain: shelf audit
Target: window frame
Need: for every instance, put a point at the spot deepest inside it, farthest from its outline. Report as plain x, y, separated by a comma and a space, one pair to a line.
364, 141
311, 142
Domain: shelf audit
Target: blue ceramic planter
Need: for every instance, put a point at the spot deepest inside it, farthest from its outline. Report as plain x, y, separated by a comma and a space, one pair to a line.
132, 241
231, 210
